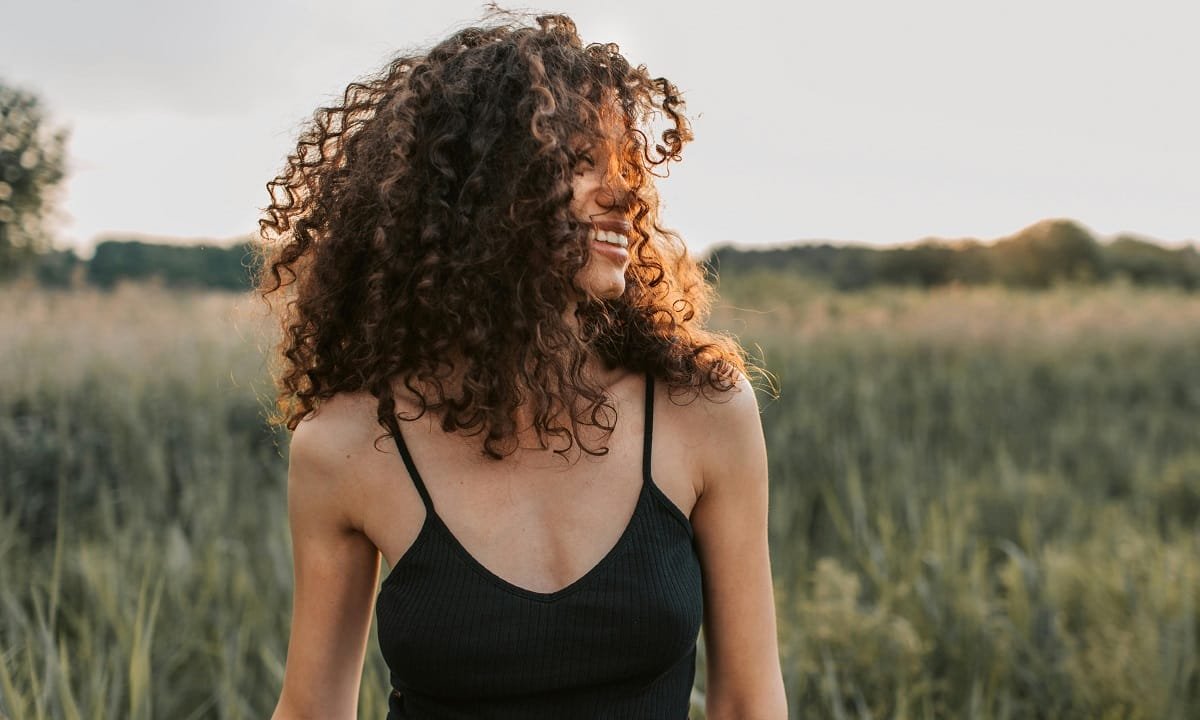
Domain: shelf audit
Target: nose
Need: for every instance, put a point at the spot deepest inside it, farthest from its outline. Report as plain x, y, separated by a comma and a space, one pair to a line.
615, 190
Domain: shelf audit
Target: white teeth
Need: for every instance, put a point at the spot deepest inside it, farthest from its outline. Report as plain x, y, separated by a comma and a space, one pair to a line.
610, 237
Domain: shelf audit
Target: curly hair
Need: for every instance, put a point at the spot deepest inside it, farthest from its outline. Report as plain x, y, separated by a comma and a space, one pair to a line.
426, 218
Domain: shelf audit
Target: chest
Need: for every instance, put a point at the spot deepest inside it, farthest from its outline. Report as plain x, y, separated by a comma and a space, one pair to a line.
537, 579
533, 519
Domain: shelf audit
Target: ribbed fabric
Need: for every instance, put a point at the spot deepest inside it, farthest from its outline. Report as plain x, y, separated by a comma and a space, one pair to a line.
618, 643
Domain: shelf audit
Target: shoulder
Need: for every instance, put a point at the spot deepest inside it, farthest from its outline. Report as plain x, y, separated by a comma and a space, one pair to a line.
724, 429
336, 430
714, 413
330, 453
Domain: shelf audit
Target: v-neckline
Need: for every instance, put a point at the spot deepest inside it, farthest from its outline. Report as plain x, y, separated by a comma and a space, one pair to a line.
434, 520
471, 561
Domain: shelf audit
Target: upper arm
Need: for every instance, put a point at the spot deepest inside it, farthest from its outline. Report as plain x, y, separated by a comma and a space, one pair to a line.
730, 523
336, 569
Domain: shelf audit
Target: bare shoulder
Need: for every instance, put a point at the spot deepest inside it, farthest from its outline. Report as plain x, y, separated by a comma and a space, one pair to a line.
337, 426
724, 429
724, 407
330, 454
717, 416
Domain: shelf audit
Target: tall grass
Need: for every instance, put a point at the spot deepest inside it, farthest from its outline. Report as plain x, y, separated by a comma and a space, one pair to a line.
984, 503
146, 564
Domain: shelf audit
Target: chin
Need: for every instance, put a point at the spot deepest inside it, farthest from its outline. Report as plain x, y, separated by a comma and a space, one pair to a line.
610, 291
597, 297
614, 294
602, 288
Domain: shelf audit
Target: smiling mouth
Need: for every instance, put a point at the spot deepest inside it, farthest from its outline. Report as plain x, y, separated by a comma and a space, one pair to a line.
609, 237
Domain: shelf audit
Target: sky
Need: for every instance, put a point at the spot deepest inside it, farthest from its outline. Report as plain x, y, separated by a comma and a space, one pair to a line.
877, 122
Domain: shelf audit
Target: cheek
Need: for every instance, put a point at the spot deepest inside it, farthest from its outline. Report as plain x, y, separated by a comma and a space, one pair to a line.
583, 190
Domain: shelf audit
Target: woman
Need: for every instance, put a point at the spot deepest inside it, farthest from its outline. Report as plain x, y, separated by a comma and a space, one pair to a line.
468, 259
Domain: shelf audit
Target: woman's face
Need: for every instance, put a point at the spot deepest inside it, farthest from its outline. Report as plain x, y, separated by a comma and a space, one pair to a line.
602, 198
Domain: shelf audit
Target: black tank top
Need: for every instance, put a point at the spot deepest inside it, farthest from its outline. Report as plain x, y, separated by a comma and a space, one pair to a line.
618, 643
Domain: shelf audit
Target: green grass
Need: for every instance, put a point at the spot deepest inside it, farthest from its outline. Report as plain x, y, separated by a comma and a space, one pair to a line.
985, 504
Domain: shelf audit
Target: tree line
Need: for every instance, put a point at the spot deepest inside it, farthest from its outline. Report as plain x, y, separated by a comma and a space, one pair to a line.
1040, 256
206, 265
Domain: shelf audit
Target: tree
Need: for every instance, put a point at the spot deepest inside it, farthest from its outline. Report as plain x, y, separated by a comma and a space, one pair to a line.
1048, 252
32, 163
210, 266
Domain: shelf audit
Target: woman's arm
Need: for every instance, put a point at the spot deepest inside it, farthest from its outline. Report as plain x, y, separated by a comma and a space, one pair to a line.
730, 522
336, 570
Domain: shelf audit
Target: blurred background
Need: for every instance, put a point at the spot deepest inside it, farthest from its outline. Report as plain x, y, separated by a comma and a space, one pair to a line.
962, 240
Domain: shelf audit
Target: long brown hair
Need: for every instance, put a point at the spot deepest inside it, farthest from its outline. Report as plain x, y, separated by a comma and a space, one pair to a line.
426, 217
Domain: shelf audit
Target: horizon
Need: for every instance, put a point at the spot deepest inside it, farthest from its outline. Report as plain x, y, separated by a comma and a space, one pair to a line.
183, 241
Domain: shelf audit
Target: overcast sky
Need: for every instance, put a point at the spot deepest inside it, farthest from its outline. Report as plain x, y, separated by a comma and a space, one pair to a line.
880, 122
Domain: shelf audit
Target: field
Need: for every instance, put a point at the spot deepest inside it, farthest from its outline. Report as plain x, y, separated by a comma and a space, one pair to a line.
985, 503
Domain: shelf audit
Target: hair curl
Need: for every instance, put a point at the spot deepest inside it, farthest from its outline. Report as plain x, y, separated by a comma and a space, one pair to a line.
426, 217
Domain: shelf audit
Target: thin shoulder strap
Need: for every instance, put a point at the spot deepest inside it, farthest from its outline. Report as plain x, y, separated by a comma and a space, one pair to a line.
408, 462
649, 425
